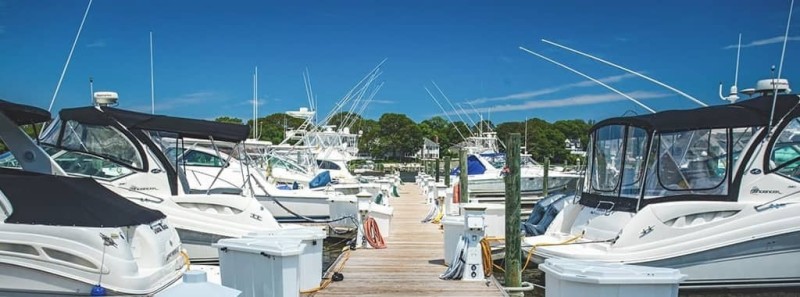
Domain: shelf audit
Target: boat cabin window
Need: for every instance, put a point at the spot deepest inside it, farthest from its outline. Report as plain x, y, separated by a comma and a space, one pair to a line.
328, 165
278, 162
104, 142
634, 162
498, 161
740, 137
785, 153
191, 157
688, 162
607, 160
88, 165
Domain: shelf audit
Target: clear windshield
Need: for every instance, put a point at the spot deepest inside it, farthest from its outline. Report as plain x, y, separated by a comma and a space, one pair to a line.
689, 162
607, 160
101, 141
635, 154
785, 153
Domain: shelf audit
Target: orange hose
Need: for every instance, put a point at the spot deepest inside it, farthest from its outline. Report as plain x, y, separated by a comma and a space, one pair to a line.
456, 194
373, 233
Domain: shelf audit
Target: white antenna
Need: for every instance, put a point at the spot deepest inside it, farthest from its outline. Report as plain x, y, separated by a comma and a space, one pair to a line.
628, 70
734, 94
255, 103
454, 108
590, 78
780, 68
258, 133
69, 57
152, 84
91, 89
445, 113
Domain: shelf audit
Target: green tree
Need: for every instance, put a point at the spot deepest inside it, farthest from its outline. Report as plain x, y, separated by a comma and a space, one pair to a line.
229, 120
272, 127
399, 135
437, 129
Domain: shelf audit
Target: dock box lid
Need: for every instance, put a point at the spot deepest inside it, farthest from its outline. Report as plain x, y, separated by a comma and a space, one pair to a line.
270, 246
301, 233
610, 273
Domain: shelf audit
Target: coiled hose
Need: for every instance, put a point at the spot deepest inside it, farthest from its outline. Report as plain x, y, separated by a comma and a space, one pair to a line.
373, 234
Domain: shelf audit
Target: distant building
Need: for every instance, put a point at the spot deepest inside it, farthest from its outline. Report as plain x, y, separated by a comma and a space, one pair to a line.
429, 150
574, 147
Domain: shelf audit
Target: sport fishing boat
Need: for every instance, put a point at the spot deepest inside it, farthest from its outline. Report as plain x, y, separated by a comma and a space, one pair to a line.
485, 175
124, 151
711, 191
209, 170
71, 236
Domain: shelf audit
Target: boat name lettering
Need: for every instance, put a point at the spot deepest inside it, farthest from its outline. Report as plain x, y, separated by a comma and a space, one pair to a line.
756, 190
135, 188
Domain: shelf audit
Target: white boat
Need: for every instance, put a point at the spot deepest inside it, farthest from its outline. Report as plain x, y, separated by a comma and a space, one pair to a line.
123, 151
69, 236
485, 175
207, 169
707, 191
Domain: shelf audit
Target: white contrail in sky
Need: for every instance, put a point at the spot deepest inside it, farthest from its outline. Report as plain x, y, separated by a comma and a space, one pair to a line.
568, 101
536, 93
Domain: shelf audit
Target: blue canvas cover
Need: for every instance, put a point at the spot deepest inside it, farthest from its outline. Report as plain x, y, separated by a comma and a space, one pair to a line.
474, 167
321, 180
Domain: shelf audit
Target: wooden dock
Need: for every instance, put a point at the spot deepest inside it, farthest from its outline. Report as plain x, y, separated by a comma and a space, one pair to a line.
411, 263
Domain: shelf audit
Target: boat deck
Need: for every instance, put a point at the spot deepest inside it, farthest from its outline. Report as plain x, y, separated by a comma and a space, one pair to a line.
411, 263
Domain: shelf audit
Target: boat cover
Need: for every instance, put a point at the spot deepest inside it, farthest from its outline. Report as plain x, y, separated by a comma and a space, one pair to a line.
40, 199
184, 127
746, 113
321, 180
474, 167
24, 114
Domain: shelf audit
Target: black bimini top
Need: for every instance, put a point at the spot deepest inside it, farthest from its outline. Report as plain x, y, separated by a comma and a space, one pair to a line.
135, 120
746, 113
24, 114
40, 199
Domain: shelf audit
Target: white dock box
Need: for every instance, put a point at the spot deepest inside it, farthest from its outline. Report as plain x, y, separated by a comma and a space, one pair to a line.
310, 269
453, 229
260, 267
566, 278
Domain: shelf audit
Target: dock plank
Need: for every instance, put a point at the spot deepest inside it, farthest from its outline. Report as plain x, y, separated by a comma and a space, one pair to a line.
411, 263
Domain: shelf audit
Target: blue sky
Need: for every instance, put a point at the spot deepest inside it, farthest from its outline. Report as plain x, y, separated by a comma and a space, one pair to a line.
205, 52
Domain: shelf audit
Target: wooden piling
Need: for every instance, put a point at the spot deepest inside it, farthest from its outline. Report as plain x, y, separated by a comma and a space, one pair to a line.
545, 178
513, 255
436, 169
463, 181
447, 171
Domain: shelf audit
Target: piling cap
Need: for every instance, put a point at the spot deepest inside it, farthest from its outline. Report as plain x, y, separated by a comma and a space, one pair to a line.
363, 194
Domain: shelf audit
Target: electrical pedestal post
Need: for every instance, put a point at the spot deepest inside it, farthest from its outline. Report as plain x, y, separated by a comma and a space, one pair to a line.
474, 231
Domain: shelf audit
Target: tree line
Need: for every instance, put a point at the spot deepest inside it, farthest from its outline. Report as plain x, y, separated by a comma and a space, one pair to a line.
394, 136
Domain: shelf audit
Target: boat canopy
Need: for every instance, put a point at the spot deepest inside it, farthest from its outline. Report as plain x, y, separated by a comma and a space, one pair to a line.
474, 167
746, 113
40, 199
184, 127
676, 155
24, 114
